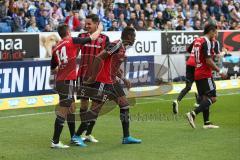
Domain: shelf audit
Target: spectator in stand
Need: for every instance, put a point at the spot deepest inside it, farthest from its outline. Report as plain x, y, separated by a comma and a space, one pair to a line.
212, 20
121, 22
141, 26
148, 10
168, 26
225, 10
151, 26
114, 26
234, 26
167, 14
19, 22
72, 20
33, 27
39, 9
43, 22
133, 19
158, 21
188, 26
83, 12
56, 11
4, 11
197, 25
122, 26
128, 11
107, 20
155, 10
98, 10
137, 11
82, 25
180, 25
26, 9
179, 12
72, 5
54, 21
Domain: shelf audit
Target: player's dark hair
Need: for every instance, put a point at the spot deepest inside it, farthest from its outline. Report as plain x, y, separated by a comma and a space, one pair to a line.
93, 17
62, 30
209, 27
127, 31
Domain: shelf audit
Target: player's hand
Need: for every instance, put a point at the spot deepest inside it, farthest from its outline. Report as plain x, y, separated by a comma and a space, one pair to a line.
100, 27
54, 71
127, 83
223, 75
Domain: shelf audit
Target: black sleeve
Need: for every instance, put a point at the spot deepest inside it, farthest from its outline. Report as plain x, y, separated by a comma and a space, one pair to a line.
77, 40
189, 50
113, 48
107, 41
206, 48
54, 63
217, 47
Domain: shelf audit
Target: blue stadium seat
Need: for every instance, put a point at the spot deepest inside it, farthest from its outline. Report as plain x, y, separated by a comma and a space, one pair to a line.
4, 27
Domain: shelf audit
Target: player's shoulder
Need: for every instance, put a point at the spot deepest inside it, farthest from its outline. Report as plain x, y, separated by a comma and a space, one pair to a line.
102, 35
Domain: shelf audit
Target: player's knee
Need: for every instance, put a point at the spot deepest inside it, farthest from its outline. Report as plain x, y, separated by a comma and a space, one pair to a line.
72, 108
122, 102
62, 112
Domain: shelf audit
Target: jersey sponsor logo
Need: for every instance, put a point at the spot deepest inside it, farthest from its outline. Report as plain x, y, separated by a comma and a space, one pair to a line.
92, 45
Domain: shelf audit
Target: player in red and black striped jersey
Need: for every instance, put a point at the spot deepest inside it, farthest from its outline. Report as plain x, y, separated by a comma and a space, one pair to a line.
190, 70
203, 75
63, 64
88, 53
105, 68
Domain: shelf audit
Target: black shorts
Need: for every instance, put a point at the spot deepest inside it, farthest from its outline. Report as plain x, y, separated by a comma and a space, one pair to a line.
100, 91
206, 87
65, 91
190, 74
80, 92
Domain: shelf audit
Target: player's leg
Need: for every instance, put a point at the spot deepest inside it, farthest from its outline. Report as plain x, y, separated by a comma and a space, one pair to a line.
206, 89
96, 94
71, 115
92, 116
121, 100
189, 81
212, 95
84, 102
83, 111
65, 102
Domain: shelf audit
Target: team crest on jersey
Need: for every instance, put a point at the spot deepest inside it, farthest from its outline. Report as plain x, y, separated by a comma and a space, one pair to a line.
100, 40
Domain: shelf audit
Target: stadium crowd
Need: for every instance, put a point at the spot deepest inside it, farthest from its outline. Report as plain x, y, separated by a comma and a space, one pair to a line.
46, 15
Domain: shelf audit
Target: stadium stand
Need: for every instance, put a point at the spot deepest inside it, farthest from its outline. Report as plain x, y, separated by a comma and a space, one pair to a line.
116, 14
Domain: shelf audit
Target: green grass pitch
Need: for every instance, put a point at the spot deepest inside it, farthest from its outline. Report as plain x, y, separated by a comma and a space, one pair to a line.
165, 137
